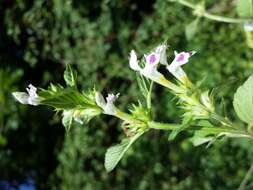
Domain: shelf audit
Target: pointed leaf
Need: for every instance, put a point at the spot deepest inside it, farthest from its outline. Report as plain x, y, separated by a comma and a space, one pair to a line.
144, 85
176, 131
115, 153
191, 29
244, 8
201, 137
243, 101
69, 76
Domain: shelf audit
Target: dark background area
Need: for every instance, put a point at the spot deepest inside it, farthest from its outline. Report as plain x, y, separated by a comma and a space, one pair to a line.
38, 38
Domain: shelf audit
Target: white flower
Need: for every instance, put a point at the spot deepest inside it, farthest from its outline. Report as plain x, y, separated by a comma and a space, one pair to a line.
179, 60
108, 105
133, 61
31, 97
161, 50
248, 26
151, 62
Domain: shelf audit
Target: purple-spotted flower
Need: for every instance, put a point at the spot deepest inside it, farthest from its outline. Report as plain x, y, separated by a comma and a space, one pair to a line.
179, 60
151, 62
108, 105
30, 97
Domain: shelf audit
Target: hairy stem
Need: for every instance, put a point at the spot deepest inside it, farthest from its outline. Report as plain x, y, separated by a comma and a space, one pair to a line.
246, 178
212, 16
213, 130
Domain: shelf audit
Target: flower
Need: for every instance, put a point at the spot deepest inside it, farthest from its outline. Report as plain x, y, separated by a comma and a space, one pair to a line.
179, 60
108, 105
31, 97
151, 62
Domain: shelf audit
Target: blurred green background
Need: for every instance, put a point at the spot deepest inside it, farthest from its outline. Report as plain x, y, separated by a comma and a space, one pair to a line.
37, 39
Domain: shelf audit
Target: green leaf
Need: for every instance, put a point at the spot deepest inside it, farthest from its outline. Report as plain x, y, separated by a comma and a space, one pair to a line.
69, 76
199, 140
244, 8
115, 153
85, 115
139, 112
202, 136
144, 85
243, 101
65, 98
190, 29
175, 132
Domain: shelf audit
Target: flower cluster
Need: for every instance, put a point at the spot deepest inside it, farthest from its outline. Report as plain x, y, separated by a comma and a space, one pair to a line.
157, 56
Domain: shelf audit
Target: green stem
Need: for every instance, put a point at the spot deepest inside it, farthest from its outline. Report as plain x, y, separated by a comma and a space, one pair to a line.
126, 117
212, 16
149, 96
211, 130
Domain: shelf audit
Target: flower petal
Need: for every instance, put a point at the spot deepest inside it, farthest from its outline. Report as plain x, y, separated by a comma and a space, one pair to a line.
182, 58
151, 72
161, 50
110, 109
108, 106
32, 91
100, 100
133, 61
177, 71
22, 97
152, 58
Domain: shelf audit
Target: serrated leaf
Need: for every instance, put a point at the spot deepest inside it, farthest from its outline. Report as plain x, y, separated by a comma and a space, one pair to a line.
64, 99
69, 76
144, 85
115, 153
190, 29
243, 101
244, 8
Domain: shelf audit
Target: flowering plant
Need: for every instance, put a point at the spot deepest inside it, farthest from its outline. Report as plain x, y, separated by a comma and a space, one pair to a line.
200, 116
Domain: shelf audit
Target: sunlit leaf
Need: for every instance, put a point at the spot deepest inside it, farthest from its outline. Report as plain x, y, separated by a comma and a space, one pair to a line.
244, 8
243, 101
190, 29
184, 125
69, 76
115, 153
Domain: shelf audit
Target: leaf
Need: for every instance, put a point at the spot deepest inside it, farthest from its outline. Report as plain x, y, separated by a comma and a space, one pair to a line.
69, 76
244, 8
201, 137
85, 115
144, 85
191, 29
139, 112
115, 153
64, 99
243, 101
176, 131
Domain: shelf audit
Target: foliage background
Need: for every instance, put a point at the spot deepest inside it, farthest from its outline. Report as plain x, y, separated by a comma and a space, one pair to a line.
37, 38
